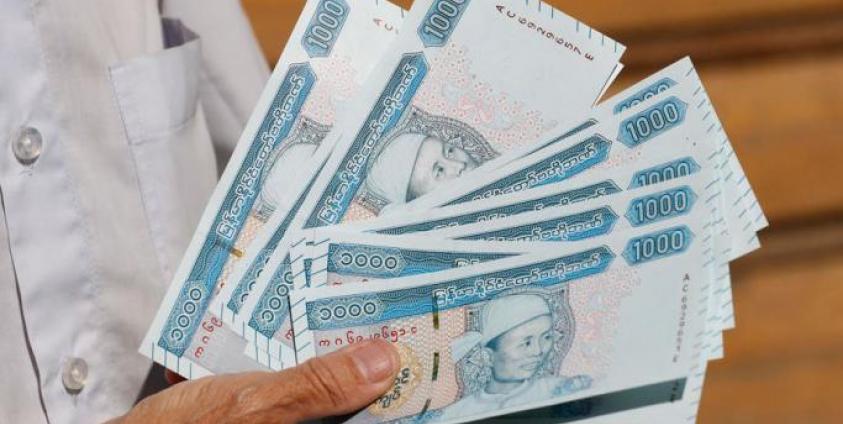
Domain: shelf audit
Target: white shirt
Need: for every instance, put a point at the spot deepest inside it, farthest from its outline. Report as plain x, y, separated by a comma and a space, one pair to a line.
109, 145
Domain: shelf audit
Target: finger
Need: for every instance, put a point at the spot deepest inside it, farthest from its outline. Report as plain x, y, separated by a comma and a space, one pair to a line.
337, 383
172, 378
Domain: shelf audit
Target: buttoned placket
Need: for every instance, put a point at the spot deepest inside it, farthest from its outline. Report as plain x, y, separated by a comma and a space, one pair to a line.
45, 229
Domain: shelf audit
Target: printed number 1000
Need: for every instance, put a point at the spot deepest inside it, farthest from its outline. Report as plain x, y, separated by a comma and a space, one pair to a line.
328, 19
439, 22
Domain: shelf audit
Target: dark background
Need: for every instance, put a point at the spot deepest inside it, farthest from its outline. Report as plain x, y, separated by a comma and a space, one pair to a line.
774, 69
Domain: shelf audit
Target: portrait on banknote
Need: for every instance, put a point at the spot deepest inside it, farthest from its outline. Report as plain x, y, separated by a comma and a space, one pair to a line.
421, 153
512, 353
286, 162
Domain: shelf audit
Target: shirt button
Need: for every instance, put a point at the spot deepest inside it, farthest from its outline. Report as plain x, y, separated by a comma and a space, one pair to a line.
74, 374
28, 145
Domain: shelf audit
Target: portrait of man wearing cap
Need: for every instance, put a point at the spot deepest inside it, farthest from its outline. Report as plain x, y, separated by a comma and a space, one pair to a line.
285, 163
423, 152
513, 357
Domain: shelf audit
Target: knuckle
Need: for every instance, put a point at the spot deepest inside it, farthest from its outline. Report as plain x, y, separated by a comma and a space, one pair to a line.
327, 383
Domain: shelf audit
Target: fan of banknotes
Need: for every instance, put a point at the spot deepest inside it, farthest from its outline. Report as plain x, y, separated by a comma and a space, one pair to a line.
448, 179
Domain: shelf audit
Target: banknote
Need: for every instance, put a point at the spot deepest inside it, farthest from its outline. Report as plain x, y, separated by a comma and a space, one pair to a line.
334, 46
343, 258
468, 82
585, 319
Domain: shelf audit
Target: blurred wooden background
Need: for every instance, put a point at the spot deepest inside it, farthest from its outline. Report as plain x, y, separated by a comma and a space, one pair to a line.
774, 69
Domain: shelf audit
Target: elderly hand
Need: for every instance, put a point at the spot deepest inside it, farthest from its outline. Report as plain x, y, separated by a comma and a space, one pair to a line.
338, 383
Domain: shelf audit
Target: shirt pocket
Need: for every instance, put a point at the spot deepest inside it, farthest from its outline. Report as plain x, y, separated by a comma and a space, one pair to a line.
158, 99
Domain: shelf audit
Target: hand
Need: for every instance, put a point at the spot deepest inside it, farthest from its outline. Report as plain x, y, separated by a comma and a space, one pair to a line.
338, 383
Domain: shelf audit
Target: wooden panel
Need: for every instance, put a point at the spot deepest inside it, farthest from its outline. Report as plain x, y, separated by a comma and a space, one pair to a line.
622, 15
784, 361
784, 120
733, 42
273, 21
786, 390
782, 298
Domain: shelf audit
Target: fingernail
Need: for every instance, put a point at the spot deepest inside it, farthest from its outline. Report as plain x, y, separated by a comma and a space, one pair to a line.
377, 360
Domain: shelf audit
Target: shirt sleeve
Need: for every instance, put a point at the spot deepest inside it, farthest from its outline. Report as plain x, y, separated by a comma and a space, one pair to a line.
234, 69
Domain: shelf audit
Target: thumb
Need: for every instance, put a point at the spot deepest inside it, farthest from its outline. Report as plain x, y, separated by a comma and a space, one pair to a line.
338, 383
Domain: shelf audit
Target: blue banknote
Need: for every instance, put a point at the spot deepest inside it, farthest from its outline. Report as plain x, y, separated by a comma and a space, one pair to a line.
343, 258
